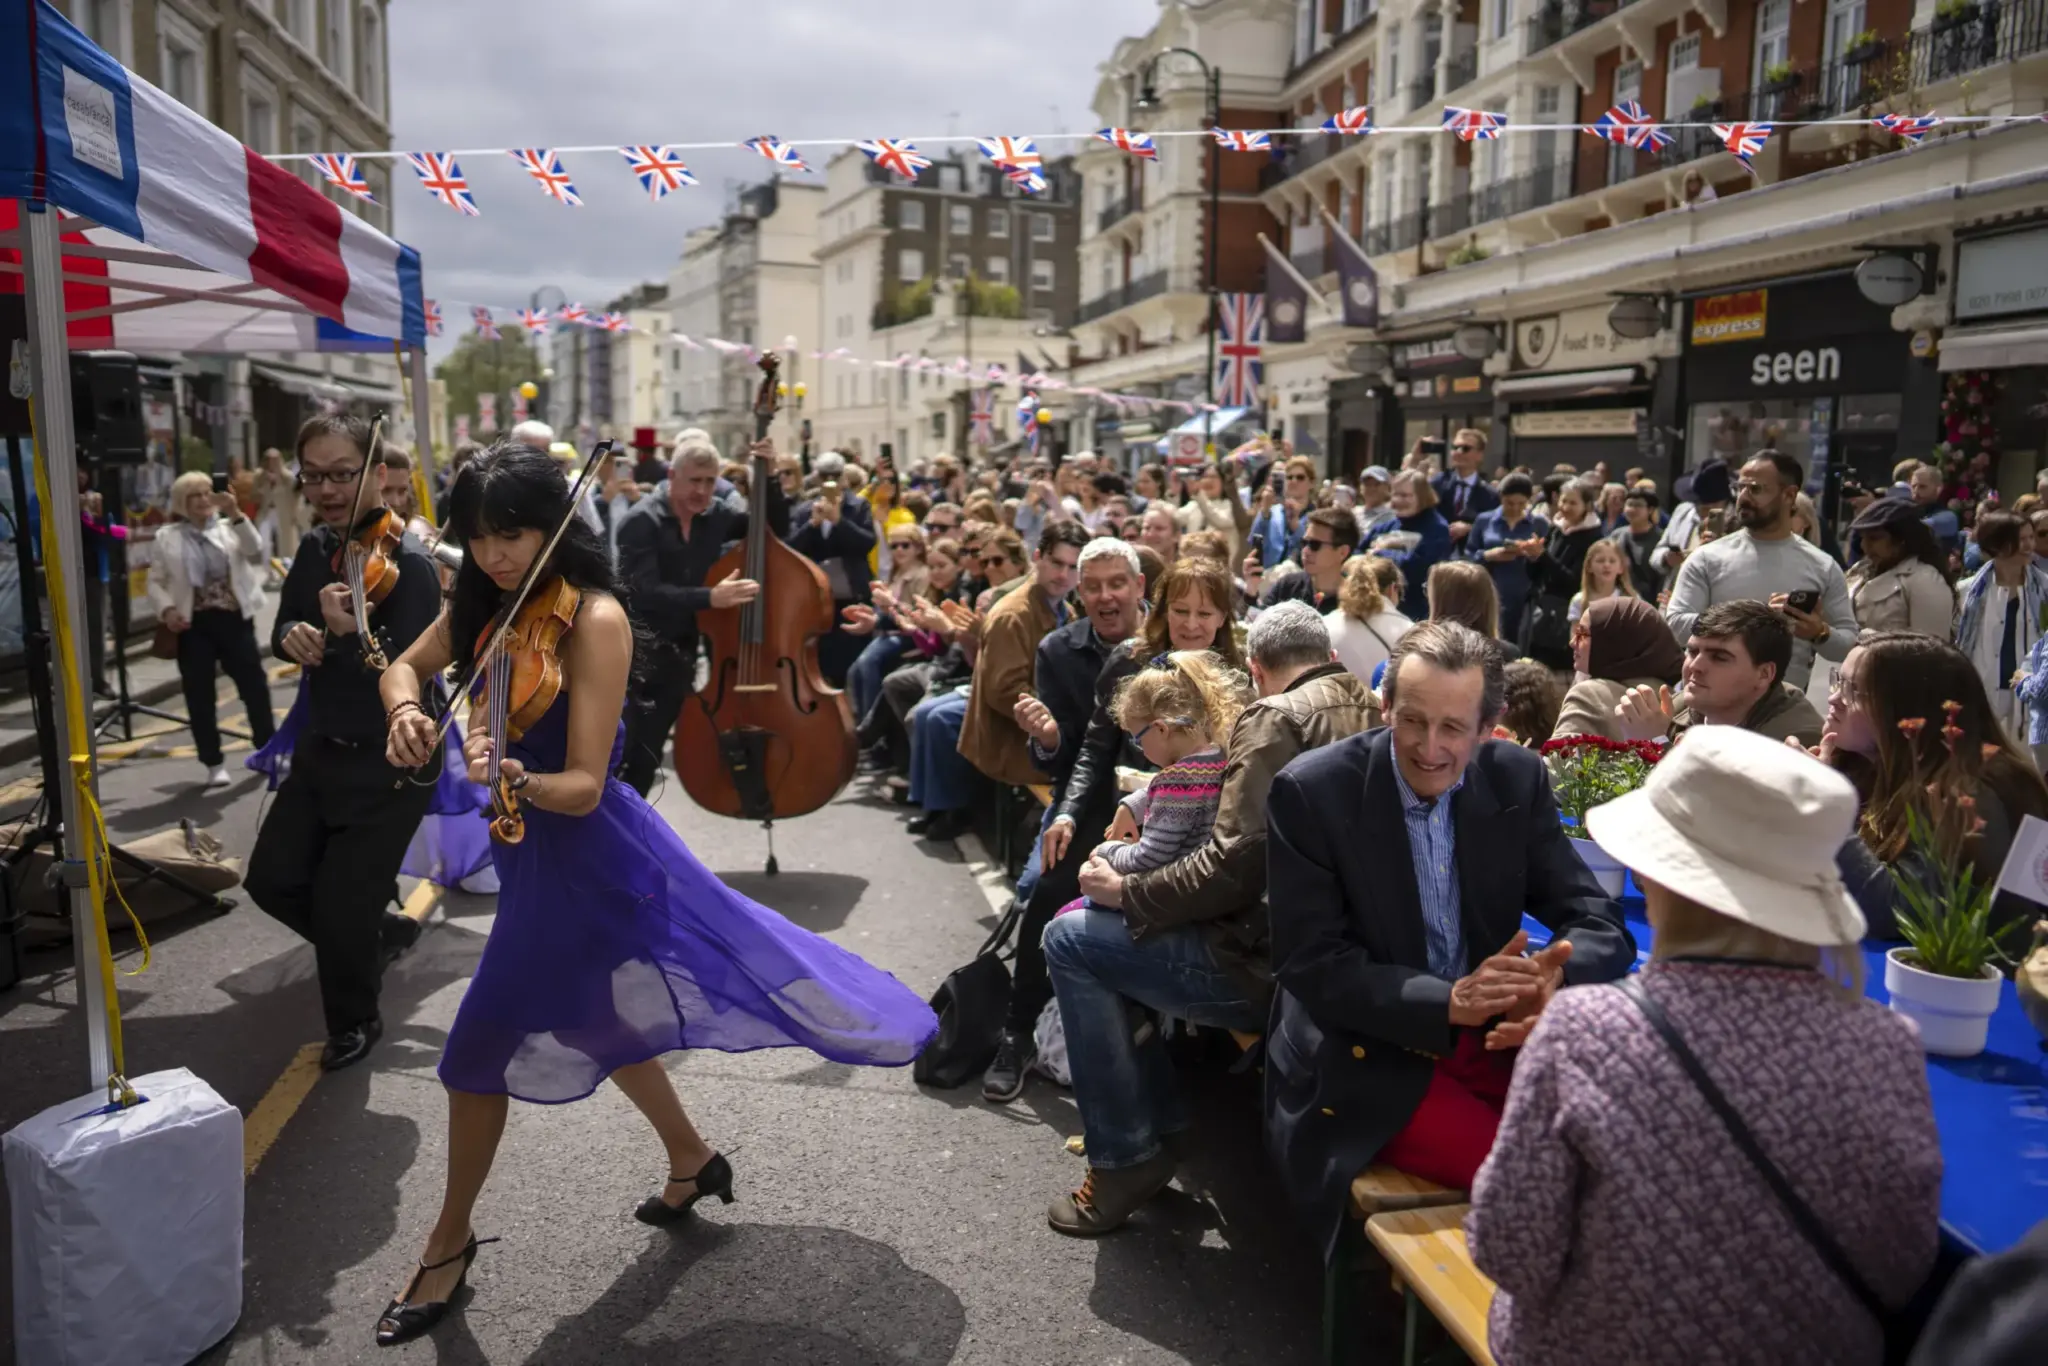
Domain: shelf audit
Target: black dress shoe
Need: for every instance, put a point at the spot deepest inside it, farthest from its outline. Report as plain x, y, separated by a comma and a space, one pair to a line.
713, 1178
943, 826
395, 934
921, 822
403, 1321
351, 1046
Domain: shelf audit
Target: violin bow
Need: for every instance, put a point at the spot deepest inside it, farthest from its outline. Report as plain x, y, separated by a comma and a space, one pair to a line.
509, 612
372, 651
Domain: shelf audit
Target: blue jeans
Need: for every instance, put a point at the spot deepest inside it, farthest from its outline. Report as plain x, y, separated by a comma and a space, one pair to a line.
1125, 1090
864, 679
1034, 862
940, 780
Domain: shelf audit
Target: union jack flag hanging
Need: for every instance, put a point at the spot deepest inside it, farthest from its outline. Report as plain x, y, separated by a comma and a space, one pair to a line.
1909, 127
1027, 422
546, 169
1240, 324
1137, 144
534, 320
997, 375
661, 171
1743, 140
1473, 124
892, 154
1236, 140
1012, 154
1356, 120
485, 328
574, 313
780, 153
1025, 179
433, 312
1630, 125
982, 419
615, 322
443, 180
341, 172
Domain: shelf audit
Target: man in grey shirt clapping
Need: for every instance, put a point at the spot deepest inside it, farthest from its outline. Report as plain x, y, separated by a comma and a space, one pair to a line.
1766, 561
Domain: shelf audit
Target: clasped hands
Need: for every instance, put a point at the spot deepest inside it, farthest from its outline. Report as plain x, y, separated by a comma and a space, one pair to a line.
1511, 986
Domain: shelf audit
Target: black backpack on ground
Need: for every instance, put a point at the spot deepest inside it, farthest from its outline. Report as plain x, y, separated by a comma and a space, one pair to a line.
972, 1004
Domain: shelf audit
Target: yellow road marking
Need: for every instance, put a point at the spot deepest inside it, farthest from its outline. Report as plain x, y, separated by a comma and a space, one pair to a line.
421, 903
278, 1105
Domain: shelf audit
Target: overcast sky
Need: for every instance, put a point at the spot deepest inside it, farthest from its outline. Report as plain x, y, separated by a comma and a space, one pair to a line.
492, 73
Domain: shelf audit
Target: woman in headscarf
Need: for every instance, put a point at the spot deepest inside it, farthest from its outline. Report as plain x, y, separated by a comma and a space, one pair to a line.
1618, 644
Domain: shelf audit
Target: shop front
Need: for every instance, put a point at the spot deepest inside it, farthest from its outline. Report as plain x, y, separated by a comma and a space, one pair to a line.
1577, 392
2001, 314
1812, 369
1439, 391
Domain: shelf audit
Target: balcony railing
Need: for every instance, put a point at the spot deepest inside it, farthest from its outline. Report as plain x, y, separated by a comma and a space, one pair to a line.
1543, 28
1982, 35
1556, 21
1422, 89
1504, 199
1293, 156
1399, 235
1117, 211
1123, 296
1462, 71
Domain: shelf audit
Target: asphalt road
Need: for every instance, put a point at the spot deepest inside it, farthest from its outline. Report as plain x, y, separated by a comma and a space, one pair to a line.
876, 1222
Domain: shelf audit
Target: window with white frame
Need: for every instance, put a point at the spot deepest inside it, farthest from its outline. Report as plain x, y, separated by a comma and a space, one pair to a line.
181, 60
259, 112
996, 269
910, 265
1685, 53
370, 57
959, 265
910, 214
1773, 38
1393, 50
1628, 86
960, 219
1305, 29
335, 41
1043, 229
1550, 145
998, 222
305, 138
110, 24
1503, 15
1355, 13
1041, 276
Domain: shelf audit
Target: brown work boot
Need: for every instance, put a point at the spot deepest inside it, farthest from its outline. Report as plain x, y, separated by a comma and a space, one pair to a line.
1109, 1196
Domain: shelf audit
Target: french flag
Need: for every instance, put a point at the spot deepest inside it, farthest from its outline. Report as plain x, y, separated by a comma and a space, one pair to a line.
79, 131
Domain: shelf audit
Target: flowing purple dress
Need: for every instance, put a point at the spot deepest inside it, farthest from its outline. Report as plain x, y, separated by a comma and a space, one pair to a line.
614, 945
451, 843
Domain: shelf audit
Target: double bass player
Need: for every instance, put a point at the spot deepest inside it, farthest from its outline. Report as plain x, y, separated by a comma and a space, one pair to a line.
667, 544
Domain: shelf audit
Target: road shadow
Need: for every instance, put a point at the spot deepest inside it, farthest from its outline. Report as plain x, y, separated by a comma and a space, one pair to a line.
175, 803
819, 902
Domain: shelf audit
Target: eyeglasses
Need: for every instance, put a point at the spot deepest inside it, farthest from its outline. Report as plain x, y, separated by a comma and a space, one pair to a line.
994, 561
1749, 486
1840, 688
1464, 448
1307, 544
903, 545
1297, 479
312, 478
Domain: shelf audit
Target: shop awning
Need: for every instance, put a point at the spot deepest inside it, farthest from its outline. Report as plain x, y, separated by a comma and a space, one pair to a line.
1213, 422
1995, 348
304, 383
1571, 384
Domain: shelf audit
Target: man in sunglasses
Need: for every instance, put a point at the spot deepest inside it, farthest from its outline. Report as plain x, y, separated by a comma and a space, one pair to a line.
1327, 541
1461, 494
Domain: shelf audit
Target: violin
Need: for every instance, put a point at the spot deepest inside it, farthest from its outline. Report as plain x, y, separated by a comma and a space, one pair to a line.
523, 680
367, 559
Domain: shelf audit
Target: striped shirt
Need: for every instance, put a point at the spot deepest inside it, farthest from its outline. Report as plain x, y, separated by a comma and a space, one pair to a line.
1433, 845
1176, 814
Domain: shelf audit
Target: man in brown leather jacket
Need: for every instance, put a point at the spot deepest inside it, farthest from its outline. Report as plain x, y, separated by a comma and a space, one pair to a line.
1192, 938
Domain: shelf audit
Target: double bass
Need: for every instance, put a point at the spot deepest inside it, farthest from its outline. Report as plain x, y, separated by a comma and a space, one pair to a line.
766, 738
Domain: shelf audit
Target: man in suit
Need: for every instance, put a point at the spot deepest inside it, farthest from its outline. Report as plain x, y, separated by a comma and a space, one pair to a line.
1461, 494
837, 530
1400, 863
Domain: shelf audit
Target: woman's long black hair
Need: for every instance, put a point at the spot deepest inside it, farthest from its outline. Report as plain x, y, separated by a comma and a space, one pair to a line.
512, 488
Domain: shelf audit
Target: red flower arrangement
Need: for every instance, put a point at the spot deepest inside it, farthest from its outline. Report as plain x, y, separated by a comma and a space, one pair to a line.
1591, 770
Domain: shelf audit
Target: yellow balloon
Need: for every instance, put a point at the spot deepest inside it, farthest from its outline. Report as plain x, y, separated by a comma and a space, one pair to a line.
529, 391
1044, 418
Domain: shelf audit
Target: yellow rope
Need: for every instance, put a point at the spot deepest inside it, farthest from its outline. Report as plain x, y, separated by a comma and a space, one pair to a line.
89, 841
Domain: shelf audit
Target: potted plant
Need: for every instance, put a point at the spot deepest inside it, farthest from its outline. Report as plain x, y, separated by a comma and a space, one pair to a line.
1591, 770
1778, 78
1467, 254
1705, 108
1865, 46
1951, 13
1946, 977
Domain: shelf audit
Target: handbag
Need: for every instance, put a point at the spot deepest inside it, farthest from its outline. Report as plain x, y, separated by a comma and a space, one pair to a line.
972, 1004
1898, 1327
164, 644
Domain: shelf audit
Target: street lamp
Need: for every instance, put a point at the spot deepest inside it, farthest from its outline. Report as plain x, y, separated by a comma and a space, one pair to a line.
1148, 98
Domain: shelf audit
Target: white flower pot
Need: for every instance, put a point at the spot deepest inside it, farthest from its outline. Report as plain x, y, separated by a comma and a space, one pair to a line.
1605, 868
1954, 1013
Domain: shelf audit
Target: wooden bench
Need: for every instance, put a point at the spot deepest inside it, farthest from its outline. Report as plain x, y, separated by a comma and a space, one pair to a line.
1382, 1190
1426, 1249
1040, 793
1377, 1190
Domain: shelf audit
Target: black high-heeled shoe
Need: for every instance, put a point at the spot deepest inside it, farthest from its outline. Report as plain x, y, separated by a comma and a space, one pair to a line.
713, 1178
402, 1321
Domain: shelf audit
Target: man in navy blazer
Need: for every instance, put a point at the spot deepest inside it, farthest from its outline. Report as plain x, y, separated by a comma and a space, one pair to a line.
1399, 865
1461, 495
837, 534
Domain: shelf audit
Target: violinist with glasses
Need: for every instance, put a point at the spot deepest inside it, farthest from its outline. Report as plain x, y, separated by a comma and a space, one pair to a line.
359, 592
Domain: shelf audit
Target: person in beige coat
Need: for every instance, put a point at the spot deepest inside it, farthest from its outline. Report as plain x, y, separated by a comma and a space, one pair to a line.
206, 572
1898, 584
1617, 644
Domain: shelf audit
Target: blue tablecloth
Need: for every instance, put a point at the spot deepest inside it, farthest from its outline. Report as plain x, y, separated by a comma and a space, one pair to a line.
1992, 1110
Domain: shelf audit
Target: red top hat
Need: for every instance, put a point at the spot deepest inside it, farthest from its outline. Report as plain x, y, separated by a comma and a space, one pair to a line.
644, 439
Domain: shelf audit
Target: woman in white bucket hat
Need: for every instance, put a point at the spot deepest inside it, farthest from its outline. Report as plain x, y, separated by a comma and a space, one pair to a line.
1617, 1213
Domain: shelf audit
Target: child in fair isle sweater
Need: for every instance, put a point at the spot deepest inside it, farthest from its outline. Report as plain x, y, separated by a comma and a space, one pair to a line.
1175, 712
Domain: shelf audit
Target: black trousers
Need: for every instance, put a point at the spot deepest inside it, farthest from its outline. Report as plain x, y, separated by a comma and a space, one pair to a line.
226, 639
327, 858
96, 632
651, 716
1030, 987
838, 648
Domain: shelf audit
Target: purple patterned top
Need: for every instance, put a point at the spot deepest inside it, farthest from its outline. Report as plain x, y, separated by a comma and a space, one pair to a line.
1624, 1226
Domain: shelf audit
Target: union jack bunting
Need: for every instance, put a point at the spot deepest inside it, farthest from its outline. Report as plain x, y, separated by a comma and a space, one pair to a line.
1240, 324
686, 343
574, 313
660, 170
547, 172
1909, 127
892, 154
1137, 144
1630, 125
997, 375
1743, 140
341, 172
433, 311
780, 153
1356, 120
1012, 154
485, 328
1025, 179
443, 180
534, 319
1238, 141
1473, 124
982, 424
615, 322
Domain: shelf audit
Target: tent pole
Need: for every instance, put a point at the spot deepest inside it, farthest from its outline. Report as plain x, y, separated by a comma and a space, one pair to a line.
50, 362
422, 409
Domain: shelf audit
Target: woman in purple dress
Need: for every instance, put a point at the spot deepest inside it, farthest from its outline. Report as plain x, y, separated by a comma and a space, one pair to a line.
613, 945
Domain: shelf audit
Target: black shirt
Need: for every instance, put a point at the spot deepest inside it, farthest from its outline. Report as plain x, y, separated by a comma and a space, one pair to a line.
1298, 587
341, 690
665, 572
1070, 659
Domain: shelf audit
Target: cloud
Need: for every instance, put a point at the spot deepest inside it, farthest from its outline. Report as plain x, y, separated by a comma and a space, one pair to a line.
489, 73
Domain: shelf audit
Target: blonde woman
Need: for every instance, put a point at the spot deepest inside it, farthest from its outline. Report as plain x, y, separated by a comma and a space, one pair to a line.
1366, 626
206, 573
1604, 575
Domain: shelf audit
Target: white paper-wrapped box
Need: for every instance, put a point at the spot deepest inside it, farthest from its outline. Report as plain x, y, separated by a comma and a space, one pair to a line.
127, 1227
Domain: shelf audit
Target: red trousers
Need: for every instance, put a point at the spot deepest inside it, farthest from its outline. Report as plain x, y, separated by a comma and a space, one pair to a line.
1451, 1132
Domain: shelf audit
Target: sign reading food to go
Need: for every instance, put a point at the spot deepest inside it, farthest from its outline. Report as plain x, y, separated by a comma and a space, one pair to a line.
1730, 317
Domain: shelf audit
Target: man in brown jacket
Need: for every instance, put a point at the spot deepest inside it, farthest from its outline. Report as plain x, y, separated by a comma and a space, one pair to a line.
1192, 938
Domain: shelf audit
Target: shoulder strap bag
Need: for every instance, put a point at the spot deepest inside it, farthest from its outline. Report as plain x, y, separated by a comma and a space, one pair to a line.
1897, 1329
971, 1004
